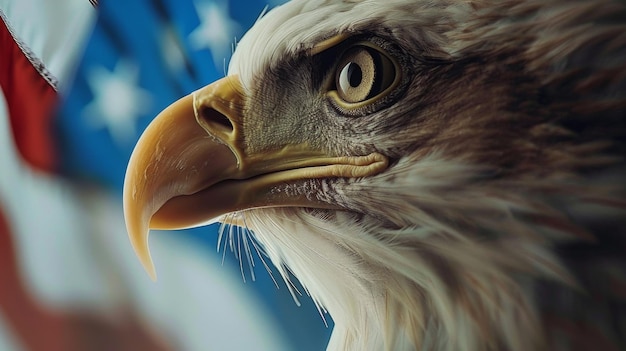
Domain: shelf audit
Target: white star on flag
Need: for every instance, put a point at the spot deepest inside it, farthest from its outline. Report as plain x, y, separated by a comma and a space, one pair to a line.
215, 32
172, 49
118, 101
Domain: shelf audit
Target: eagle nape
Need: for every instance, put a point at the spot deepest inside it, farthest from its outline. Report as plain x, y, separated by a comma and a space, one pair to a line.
439, 175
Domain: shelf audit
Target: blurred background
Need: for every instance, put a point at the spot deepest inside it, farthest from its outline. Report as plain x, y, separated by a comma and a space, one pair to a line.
80, 81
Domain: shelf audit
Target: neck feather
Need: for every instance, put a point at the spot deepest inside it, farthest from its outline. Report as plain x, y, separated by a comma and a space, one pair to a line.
400, 290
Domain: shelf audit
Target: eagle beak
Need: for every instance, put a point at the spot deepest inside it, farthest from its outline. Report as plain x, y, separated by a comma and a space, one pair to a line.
191, 166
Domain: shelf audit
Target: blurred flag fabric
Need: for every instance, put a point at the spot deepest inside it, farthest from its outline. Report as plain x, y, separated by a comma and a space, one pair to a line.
80, 81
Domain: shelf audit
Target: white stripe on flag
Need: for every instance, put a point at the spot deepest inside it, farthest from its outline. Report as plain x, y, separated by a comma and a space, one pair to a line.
53, 30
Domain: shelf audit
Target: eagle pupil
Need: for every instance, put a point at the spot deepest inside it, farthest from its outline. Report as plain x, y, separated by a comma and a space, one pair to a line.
355, 75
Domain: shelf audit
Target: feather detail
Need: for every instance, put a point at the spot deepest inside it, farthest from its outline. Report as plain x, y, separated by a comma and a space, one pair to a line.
456, 268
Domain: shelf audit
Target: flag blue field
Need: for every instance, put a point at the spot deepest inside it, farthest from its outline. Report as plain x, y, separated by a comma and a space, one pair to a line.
142, 56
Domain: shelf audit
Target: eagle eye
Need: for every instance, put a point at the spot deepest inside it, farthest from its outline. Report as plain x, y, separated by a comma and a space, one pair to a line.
364, 74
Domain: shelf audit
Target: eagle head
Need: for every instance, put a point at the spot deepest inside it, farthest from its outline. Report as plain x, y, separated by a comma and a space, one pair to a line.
439, 175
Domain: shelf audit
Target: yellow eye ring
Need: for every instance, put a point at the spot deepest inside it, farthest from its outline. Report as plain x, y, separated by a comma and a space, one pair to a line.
363, 75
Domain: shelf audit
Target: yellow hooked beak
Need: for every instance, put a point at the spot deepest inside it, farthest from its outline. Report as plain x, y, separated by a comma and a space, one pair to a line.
191, 166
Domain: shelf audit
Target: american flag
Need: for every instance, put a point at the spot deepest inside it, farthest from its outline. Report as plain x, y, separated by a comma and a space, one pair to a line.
80, 81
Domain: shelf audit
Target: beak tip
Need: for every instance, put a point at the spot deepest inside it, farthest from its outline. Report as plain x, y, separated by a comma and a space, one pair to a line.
143, 254
138, 233
151, 271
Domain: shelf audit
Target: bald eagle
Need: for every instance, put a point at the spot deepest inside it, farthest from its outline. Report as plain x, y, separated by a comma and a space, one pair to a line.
439, 175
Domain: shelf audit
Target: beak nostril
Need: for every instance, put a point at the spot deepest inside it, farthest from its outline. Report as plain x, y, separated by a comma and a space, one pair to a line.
218, 108
215, 120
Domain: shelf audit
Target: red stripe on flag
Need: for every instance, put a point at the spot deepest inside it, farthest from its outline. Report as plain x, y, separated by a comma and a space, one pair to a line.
31, 102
